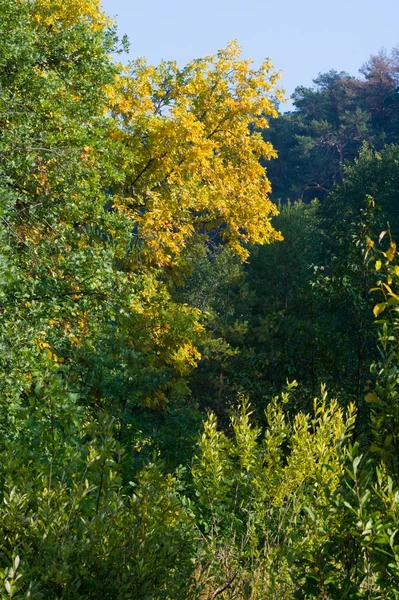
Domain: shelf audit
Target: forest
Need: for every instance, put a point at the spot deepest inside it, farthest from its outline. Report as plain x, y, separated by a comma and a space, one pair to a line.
199, 322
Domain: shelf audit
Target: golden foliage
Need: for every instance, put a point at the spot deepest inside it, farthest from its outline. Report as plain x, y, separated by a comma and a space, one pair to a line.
61, 13
192, 151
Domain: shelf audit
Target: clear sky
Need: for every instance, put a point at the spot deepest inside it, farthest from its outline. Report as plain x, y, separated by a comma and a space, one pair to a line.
303, 37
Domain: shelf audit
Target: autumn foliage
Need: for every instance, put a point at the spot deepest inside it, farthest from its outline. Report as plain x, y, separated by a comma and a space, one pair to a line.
190, 159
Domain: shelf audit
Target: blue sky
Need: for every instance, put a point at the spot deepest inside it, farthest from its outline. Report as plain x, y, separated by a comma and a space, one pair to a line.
303, 37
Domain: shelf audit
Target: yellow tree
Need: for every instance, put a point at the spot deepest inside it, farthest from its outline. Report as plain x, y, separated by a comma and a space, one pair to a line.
190, 151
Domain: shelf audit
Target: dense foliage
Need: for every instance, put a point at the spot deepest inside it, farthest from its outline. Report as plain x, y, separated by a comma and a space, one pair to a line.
170, 338
330, 123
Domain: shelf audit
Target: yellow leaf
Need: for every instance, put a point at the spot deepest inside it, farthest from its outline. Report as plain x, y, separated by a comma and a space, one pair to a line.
378, 265
379, 308
390, 253
371, 397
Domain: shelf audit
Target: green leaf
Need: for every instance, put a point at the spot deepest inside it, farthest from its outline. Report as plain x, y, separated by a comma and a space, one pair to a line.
310, 513
355, 463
